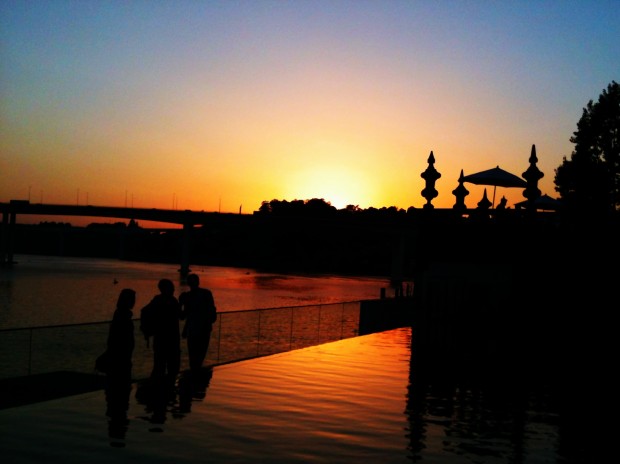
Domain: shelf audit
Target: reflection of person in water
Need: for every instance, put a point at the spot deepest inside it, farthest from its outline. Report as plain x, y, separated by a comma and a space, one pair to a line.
120, 348
155, 398
193, 388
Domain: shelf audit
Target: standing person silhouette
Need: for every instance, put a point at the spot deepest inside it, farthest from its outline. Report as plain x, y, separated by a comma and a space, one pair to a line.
120, 346
199, 313
160, 319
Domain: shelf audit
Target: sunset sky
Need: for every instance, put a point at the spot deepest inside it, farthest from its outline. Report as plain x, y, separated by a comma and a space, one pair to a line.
218, 106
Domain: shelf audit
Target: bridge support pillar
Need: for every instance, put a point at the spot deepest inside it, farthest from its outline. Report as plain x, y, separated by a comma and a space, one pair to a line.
185, 247
7, 237
4, 232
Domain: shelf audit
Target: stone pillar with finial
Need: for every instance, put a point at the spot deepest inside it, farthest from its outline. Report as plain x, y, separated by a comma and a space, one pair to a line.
481, 212
532, 176
460, 193
485, 203
430, 176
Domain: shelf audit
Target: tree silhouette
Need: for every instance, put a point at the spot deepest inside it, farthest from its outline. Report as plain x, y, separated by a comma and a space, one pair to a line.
312, 207
590, 180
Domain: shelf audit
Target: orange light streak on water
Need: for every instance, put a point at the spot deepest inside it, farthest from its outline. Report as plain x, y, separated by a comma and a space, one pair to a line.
343, 400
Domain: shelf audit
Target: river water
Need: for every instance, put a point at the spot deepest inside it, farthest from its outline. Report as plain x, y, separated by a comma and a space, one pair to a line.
50, 290
377, 398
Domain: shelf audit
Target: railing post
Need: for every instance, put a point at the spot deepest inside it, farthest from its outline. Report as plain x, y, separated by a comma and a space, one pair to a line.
318, 327
30, 353
11, 239
219, 337
290, 338
4, 239
342, 322
258, 335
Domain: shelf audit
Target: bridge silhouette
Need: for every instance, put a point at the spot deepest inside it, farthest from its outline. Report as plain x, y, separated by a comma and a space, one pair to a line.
186, 218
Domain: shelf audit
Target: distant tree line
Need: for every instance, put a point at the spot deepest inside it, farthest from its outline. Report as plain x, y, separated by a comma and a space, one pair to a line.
318, 207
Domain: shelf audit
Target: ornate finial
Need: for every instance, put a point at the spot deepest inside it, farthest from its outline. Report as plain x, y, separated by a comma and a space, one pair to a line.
484, 203
533, 158
430, 176
532, 176
460, 193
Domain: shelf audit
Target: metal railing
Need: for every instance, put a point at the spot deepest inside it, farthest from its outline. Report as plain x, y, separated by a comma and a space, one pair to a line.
237, 335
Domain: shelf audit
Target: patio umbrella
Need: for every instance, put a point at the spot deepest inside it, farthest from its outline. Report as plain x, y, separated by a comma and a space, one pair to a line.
544, 202
496, 177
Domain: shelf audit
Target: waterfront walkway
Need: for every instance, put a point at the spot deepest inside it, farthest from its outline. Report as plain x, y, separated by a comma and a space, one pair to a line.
21, 391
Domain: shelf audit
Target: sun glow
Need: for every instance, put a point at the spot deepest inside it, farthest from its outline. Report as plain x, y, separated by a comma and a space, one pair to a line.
329, 168
338, 186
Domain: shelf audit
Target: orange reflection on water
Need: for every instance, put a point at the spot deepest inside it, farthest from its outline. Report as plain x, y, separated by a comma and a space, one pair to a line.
344, 397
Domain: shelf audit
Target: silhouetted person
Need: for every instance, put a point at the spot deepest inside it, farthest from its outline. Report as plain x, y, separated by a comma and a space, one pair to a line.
160, 319
199, 313
120, 348
500, 210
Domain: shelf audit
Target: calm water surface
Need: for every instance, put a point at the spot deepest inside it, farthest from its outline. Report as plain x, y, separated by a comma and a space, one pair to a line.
43, 290
360, 400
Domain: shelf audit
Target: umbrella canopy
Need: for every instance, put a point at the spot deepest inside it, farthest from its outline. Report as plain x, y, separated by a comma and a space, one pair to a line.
544, 202
496, 177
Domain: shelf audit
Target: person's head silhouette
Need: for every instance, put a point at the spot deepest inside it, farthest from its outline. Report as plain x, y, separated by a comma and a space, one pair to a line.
126, 299
166, 287
193, 281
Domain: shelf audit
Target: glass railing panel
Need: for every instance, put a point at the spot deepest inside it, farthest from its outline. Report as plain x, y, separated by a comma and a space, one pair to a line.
236, 335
